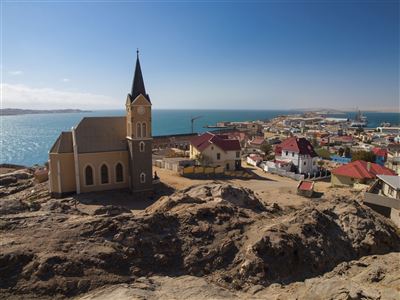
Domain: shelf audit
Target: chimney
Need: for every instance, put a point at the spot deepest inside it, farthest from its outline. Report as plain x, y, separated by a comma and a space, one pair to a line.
368, 166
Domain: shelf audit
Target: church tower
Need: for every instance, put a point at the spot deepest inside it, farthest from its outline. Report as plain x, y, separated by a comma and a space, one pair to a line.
139, 137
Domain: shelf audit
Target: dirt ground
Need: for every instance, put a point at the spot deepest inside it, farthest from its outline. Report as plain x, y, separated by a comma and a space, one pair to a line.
270, 187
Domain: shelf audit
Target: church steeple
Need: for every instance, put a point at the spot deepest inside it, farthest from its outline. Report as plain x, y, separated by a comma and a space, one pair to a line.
138, 83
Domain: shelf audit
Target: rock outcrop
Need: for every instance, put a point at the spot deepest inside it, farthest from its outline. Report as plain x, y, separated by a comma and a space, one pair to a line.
220, 232
375, 277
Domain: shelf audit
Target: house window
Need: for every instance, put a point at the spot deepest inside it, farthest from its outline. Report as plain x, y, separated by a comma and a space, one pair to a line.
142, 178
218, 156
119, 173
292, 153
227, 166
287, 152
141, 146
89, 175
305, 163
104, 174
237, 154
138, 130
144, 130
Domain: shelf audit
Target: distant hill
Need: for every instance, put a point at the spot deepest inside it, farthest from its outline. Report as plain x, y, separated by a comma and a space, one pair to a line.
17, 111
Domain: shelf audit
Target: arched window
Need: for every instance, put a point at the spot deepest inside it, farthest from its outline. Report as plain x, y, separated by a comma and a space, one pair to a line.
119, 173
89, 175
144, 130
141, 146
142, 178
138, 130
104, 174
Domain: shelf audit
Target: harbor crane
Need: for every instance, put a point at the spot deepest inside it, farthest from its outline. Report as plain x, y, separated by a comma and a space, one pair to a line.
192, 121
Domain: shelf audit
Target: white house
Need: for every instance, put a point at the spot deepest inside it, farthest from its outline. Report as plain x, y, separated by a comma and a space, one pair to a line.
300, 152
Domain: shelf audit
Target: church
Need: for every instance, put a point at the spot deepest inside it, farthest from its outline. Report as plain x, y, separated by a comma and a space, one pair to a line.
106, 153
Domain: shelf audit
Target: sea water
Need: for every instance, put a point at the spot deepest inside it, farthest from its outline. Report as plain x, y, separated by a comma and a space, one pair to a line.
26, 139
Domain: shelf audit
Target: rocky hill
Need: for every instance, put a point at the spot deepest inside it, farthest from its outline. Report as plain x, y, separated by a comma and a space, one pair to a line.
234, 244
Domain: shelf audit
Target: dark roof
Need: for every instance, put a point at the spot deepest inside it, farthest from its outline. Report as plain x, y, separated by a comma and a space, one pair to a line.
101, 134
63, 143
201, 142
138, 83
298, 145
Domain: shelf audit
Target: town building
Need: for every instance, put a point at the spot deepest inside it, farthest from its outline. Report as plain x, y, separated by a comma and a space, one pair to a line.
384, 197
393, 161
216, 150
357, 172
180, 141
300, 152
380, 155
105, 153
254, 159
254, 145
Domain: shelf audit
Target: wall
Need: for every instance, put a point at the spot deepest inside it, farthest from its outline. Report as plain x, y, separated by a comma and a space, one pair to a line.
133, 117
386, 206
395, 216
337, 180
67, 173
207, 172
389, 191
95, 160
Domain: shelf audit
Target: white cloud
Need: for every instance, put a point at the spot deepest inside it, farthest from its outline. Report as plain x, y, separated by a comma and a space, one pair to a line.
22, 96
65, 80
16, 73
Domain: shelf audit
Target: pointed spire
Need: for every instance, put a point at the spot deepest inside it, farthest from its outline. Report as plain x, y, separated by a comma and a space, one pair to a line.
138, 83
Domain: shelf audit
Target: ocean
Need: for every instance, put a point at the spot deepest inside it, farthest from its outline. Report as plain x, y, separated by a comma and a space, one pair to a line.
26, 139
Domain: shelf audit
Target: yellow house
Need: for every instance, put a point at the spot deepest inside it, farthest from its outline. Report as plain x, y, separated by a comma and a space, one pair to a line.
105, 153
216, 150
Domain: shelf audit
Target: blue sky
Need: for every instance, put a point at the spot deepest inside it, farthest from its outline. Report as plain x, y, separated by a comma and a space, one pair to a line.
236, 55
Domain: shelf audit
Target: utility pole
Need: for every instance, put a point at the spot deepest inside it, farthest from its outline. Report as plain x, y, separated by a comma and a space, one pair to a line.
192, 121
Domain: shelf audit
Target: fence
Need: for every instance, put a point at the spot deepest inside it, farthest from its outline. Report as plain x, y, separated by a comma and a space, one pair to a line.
286, 173
282, 172
211, 172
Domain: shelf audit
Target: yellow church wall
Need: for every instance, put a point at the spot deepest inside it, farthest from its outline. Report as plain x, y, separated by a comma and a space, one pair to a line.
62, 175
96, 160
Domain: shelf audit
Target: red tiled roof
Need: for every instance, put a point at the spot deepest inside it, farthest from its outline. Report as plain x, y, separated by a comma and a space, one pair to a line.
256, 157
258, 140
282, 162
359, 169
306, 185
201, 142
241, 136
379, 151
298, 145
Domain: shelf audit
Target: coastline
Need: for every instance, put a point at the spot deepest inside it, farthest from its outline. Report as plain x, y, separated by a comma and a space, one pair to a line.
17, 111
